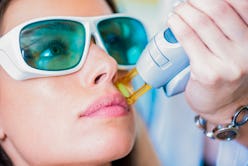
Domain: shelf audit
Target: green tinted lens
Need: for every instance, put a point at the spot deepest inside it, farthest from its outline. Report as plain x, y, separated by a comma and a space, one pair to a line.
52, 45
124, 38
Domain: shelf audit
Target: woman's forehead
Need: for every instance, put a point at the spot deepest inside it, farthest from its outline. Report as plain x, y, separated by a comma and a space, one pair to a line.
22, 10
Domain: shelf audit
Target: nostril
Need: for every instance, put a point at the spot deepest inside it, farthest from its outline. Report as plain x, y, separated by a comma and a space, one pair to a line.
99, 78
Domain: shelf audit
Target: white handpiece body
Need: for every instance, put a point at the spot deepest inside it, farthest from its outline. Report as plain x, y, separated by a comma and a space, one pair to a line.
164, 63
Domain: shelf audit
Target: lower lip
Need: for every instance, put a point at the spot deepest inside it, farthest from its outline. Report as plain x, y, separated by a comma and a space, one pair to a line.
109, 111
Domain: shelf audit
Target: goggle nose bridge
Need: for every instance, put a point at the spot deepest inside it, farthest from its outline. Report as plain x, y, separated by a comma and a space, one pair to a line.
95, 35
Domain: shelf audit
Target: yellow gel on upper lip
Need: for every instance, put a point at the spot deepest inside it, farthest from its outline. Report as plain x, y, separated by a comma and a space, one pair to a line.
123, 84
123, 89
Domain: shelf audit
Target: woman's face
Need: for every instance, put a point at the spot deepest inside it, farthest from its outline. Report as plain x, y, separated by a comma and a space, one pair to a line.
49, 121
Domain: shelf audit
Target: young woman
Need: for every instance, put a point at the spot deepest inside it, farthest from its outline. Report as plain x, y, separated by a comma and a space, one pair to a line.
58, 102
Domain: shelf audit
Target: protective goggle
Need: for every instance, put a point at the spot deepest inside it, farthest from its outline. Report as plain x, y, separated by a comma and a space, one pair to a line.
54, 46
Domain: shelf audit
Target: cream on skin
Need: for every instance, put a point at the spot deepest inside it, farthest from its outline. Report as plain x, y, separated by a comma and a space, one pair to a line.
44, 121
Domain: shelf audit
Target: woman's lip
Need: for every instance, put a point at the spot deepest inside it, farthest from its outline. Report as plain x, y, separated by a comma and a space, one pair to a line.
107, 106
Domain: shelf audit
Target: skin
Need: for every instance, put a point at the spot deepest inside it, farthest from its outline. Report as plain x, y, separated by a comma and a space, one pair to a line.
39, 122
215, 36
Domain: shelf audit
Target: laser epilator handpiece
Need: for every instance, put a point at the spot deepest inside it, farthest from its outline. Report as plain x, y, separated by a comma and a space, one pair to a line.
163, 63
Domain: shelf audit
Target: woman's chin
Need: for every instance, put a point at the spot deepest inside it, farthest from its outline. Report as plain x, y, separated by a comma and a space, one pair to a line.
119, 147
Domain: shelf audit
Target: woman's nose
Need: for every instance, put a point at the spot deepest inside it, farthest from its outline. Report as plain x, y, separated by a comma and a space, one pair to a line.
99, 67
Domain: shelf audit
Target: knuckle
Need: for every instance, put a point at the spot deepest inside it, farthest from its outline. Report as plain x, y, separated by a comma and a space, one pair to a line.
212, 79
207, 77
237, 73
202, 21
220, 9
185, 34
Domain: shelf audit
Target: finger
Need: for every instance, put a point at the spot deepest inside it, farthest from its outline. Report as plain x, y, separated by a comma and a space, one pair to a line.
207, 30
224, 16
189, 40
241, 7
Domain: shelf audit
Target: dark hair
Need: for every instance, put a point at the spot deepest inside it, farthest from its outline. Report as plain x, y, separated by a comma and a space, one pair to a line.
4, 159
112, 5
3, 6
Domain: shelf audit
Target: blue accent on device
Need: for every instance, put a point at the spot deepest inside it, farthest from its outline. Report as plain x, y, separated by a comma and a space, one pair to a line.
164, 63
169, 36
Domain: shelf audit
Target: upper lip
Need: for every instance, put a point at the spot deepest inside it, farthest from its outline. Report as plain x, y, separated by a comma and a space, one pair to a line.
105, 101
